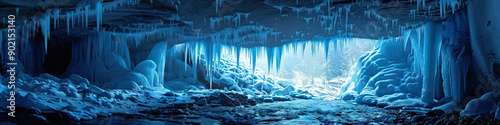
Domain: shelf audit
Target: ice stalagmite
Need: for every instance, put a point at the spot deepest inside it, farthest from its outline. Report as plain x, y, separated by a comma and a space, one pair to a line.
158, 55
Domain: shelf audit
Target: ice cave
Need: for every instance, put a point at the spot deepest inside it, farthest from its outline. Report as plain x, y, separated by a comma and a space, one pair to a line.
211, 62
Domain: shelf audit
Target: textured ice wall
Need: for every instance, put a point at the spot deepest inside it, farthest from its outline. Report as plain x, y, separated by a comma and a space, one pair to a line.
423, 64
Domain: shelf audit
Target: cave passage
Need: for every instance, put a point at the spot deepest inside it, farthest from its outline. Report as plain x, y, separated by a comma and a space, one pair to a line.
250, 62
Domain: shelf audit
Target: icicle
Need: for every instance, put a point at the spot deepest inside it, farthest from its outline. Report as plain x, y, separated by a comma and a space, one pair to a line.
185, 55
87, 7
67, 22
99, 11
238, 51
45, 26
278, 56
254, 58
270, 54
326, 46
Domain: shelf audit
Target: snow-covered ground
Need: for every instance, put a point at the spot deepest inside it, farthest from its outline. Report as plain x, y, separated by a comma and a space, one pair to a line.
78, 99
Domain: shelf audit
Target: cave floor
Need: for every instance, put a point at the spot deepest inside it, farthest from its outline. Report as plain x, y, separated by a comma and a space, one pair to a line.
297, 111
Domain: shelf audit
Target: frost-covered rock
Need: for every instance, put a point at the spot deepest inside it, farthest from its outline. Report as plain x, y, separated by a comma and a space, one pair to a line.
50, 77
448, 107
201, 102
480, 105
268, 100
181, 84
78, 79
286, 91
123, 84
282, 98
148, 69
224, 81
398, 104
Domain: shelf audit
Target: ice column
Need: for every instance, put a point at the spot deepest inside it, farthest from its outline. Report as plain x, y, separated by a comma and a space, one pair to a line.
432, 44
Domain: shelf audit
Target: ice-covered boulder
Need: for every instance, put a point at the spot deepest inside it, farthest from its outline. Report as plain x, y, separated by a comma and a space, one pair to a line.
181, 84
480, 105
147, 68
122, 84
49, 76
78, 79
286, 91
116, 80
224, 81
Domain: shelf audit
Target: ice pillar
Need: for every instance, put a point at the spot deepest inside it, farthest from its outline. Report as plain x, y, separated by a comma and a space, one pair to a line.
432, 42
158, 55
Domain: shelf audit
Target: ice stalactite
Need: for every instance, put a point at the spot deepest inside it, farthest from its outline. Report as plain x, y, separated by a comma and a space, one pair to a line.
238, 52
45, 26
270, 58
445, 4
99, 10
87, 9
56, 18
218, 4
68, 18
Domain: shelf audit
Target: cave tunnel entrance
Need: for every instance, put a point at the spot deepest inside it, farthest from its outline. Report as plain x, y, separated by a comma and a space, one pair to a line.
305, 65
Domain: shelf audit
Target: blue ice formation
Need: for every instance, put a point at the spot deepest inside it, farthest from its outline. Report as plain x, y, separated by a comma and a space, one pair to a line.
410, 65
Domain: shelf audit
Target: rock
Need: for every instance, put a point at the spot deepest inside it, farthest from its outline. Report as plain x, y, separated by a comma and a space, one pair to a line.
108, 95
237, 96
268, 100
282, 98
73, 94
418, 118
170, 94
82, 86
126, 84
33, 110
303, 96
201, 102
71, 108
191, 87
78, 79
382, 104
89, 108
252, 102
225, 100
120, 96
51, 77
443, 101
95, 89
436, 112
479, 106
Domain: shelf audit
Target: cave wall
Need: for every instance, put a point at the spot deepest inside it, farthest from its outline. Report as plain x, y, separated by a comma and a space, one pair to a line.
434, 62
